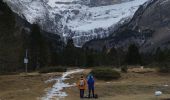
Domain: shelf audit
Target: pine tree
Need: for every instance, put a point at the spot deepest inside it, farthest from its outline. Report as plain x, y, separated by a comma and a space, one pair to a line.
133, 55
10, 40
38, 50
69, 53
104, 56
159, 55
113, 56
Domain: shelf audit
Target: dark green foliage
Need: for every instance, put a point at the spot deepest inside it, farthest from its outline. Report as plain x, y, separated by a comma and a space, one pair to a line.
115, 57
104, 56
69, 54
146, 58
161, 56
80, 57
164, 67
10, 41
53, 69
72, 56
56, 59
38, 49
7, 18
90, 60
124, 69
105, 74
133, 56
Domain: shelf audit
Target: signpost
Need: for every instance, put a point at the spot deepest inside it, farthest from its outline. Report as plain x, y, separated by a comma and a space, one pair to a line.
26, 61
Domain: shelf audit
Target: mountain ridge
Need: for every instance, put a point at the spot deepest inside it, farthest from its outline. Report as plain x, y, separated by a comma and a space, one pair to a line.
77, 19
149, 29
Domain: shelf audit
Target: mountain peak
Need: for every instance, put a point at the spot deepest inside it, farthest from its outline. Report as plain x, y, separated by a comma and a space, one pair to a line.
81, 20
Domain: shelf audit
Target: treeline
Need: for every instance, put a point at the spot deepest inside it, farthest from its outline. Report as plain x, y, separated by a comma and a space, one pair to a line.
41, 54
85, 57
10, 40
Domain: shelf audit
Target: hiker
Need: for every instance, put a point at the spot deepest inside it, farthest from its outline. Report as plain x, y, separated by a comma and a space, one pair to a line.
90, 82
82, 86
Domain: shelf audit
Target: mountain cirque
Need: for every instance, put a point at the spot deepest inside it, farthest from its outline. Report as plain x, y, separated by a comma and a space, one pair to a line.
81, 20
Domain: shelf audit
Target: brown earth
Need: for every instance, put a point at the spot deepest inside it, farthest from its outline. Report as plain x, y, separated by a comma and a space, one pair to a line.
24, 87
137, 84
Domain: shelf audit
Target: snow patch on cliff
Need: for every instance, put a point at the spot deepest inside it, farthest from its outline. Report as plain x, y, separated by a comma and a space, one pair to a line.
73, 19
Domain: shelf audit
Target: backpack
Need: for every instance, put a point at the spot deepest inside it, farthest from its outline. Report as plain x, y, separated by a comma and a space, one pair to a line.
82, 83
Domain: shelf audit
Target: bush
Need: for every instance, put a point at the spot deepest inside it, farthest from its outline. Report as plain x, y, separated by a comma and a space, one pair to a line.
105, 74
164, 68
124, 69
53, 69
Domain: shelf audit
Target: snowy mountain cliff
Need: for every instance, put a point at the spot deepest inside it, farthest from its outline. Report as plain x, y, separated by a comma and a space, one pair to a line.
149, 29
81, 20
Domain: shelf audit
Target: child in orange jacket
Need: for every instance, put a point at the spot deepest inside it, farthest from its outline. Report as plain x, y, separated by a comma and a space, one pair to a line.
81, 84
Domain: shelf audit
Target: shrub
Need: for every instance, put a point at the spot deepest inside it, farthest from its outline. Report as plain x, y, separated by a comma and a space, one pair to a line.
53, 69
105, 74
124, 69
164, 68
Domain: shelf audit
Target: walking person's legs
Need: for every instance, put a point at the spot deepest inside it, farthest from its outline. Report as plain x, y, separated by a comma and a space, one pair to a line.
93, 92
81, 93
89, 92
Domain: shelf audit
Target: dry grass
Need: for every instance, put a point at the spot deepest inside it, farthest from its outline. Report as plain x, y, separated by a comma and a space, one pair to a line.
23, 87
132, 86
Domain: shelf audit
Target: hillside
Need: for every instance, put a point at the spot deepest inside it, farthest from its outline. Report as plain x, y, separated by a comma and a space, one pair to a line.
77, 19
149, 29
17, 36
11, 41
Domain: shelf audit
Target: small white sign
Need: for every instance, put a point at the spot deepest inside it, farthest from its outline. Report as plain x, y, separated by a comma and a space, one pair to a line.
25, 60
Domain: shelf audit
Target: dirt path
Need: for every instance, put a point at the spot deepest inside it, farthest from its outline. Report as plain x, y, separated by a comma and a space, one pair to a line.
56, 93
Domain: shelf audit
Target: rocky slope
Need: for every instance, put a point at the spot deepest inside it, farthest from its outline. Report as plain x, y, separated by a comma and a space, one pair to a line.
149, 29
82, 20
156, 19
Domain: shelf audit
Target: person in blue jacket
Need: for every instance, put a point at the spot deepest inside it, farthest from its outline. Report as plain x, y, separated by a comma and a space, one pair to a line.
90, 82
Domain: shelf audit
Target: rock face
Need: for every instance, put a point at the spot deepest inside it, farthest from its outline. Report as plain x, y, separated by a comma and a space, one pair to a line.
149, 29
82, 20
155, 18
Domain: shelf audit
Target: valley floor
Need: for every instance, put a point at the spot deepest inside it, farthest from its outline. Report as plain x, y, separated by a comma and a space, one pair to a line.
135, 85
24, 87
132, 86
